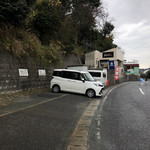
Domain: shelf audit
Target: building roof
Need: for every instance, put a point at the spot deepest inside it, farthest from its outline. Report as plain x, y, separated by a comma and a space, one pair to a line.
129, 64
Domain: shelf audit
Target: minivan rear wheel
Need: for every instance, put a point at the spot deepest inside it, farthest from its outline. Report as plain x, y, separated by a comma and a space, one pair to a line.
90, 93
56, 89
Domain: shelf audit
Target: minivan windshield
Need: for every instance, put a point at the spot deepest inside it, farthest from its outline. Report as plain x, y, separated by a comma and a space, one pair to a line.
88, 77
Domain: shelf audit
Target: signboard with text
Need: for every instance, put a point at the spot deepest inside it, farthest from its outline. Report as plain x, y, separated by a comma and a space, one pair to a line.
108, 54
23, 72
111, 65
117, 73
42, 72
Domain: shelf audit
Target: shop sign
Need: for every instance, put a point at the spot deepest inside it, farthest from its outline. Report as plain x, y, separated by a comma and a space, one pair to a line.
111, 65
108, 54
117, 73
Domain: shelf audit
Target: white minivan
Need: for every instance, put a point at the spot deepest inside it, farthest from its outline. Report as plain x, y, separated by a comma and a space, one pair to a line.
99, 75
75, 81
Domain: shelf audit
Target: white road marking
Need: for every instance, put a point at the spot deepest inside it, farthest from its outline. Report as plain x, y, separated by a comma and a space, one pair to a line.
142, 83
101, 108
141, 91
99, 116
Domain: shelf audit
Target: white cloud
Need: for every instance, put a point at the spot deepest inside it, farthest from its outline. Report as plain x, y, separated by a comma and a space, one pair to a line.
129, 29
132, 28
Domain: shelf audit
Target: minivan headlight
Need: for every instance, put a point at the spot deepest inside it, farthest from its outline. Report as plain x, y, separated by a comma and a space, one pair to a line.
96, 84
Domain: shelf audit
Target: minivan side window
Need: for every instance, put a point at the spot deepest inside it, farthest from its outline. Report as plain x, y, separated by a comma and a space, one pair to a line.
57, 73
82, 76
74, 75
65, 74
95, 74
104, 74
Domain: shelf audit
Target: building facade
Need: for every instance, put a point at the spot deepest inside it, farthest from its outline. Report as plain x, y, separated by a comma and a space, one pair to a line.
132, 67
92, 59
104, 59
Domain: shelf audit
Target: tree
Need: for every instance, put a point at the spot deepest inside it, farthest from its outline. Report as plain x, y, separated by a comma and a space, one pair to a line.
45, 20
71, 24
14, 12
102, 43
68, 35
107, 29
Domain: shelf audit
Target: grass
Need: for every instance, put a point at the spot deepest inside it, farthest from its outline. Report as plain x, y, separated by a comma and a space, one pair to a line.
23, 43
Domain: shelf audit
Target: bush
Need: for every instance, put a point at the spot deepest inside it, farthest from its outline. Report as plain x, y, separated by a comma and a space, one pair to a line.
23, 43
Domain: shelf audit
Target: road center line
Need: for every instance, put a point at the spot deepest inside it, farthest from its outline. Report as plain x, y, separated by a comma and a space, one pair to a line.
49, 100
141, 91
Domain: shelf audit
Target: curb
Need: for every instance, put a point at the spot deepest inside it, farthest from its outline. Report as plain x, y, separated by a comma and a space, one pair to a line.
79, 137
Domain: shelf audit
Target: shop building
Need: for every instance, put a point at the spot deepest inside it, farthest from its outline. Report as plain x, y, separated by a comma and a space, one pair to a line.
132, 67
106, 59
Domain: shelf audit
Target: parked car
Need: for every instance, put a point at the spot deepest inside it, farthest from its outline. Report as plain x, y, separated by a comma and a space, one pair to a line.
145, 74
75, 81
99, 75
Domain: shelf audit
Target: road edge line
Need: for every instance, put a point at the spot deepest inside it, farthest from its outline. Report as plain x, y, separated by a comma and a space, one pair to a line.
79, 137
33, 105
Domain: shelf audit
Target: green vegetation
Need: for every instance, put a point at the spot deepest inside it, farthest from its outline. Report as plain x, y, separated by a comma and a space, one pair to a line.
46, 29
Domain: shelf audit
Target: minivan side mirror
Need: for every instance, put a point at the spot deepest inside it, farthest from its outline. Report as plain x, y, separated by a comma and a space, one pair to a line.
82, 79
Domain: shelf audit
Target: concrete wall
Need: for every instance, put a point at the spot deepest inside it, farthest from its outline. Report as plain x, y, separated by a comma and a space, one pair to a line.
89, 59
111, 75
92, 59
10, 81
96, 59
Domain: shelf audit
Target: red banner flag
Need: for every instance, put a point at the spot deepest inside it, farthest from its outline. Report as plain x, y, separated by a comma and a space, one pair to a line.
117, 73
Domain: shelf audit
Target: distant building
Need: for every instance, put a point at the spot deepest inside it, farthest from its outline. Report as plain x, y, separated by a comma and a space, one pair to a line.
108, 59
96, 59
132, 67
92, 59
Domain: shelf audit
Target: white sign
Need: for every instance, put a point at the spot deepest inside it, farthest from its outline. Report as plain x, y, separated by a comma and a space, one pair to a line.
23, 72
42, 72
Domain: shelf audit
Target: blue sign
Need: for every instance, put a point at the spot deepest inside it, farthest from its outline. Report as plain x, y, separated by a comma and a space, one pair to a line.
111, 65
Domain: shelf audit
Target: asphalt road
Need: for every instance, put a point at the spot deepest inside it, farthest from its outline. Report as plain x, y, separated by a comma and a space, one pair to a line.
44, 122
122, 121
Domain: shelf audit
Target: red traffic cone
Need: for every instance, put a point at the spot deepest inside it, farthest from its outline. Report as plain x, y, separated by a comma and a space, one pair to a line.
107, 83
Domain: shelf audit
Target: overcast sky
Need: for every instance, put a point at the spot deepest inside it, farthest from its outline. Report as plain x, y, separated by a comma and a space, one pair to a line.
131, 19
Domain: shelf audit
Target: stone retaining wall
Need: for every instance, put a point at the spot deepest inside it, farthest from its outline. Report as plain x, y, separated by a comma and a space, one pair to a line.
11, 81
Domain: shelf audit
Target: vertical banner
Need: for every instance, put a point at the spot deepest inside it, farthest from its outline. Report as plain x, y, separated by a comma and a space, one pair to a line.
117, 73
111, 65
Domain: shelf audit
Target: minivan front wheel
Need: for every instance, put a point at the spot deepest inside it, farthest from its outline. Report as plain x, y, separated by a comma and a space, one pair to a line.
56, 89
90, 93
